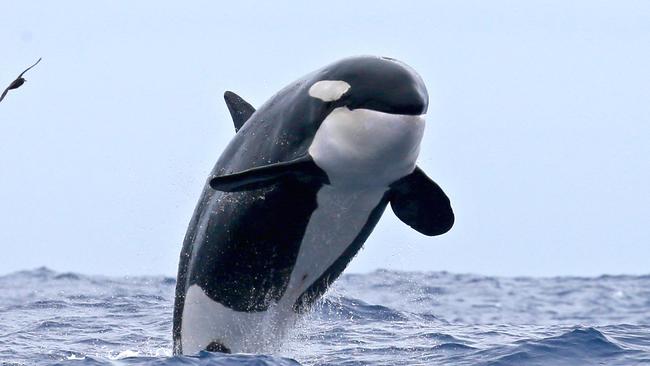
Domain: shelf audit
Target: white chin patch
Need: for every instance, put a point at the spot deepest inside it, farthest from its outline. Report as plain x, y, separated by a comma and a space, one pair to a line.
329, 90
366, 147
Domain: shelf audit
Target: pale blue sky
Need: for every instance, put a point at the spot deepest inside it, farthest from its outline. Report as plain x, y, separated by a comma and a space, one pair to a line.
538, 129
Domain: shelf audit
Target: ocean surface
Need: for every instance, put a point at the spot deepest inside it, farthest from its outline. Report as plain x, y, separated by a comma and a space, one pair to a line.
380, 318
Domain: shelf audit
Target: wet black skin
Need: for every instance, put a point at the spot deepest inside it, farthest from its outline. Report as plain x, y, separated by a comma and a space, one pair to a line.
243, 241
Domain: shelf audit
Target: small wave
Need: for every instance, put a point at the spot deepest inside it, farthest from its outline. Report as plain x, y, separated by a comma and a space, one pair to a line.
50, 324
581, 346
40, 272
168, 281
453, 347
46, 304
439, 337
68, 276
97, 342
349, 308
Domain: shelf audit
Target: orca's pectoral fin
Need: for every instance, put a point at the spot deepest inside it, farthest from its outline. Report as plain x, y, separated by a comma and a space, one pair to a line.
302, 169
240, 110
421, 204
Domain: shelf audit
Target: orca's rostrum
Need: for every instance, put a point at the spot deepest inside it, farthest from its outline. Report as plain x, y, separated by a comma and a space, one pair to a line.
295, 195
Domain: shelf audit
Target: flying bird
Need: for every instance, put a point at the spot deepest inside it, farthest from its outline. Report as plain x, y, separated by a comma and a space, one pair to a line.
18, 82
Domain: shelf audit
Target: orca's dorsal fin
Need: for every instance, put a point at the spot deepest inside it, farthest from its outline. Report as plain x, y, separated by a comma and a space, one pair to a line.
239, 109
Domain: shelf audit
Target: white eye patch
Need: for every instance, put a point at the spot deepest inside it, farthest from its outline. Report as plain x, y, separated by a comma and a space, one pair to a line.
329, 90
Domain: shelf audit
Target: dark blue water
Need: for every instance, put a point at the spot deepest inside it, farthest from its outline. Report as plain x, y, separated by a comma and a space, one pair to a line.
381, 318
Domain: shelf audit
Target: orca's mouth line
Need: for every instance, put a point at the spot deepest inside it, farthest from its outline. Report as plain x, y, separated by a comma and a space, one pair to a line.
402, 116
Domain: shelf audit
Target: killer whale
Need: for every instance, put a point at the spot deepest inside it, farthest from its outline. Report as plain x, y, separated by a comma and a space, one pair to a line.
295, 195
